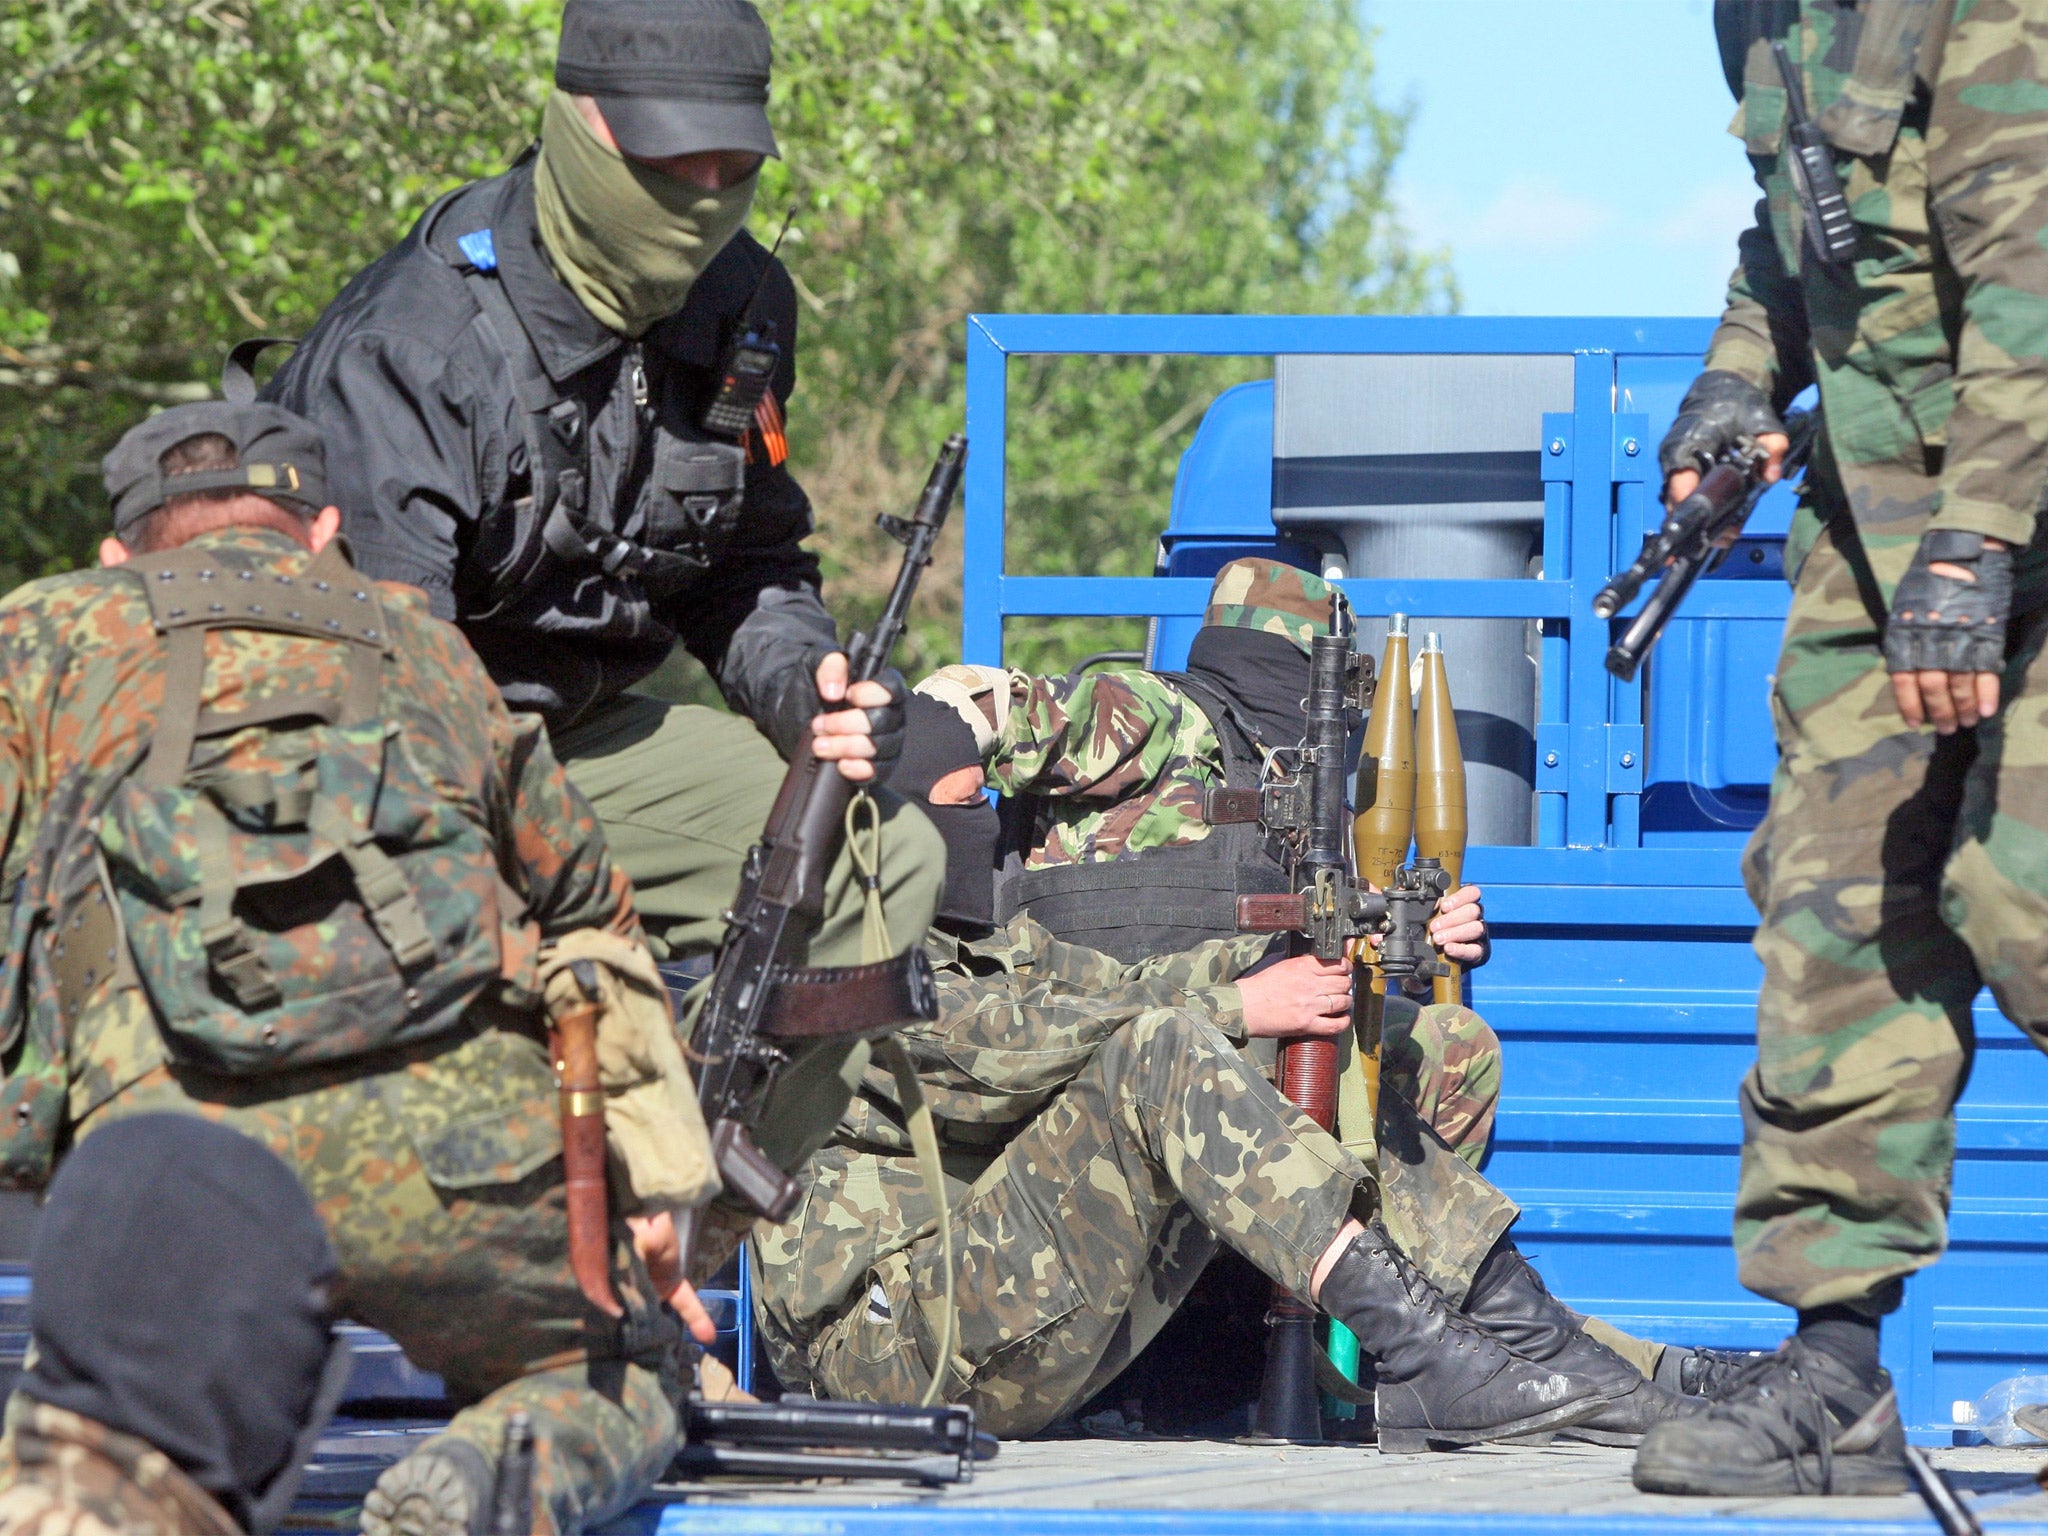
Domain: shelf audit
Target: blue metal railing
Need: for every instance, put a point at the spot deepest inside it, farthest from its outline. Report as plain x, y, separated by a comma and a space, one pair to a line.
1622, 986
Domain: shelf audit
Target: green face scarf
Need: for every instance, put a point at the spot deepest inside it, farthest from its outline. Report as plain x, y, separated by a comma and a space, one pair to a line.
627, 240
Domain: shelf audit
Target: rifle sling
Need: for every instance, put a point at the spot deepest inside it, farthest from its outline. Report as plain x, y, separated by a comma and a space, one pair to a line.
817, 1000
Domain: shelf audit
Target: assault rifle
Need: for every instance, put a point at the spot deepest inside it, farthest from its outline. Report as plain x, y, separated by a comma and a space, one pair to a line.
1694, 540
759, 999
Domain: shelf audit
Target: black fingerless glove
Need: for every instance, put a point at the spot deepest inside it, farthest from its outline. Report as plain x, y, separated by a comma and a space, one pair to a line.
1720, 410
887, 723
795, 702
1940, 624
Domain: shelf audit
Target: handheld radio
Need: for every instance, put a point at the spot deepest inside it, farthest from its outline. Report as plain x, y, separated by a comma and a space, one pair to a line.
747, 365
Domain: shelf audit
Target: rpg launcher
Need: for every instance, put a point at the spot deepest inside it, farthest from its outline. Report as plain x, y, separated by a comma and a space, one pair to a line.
1694, 539
761, 1001
1332, 908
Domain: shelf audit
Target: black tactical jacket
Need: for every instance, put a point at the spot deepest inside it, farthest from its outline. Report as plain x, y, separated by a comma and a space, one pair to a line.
427, 458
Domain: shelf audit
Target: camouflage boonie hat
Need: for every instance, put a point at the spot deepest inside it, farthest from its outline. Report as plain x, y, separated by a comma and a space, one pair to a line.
1274, 597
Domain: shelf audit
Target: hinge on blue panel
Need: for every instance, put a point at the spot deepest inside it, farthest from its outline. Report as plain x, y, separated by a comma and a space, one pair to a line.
1556, 452
1634, 453
1624, 760
1553, 759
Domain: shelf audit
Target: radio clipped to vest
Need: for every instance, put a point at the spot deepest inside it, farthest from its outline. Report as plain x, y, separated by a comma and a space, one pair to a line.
747, 364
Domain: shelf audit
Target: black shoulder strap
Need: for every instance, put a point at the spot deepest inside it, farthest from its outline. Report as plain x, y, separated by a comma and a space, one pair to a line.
1244, 749
238, 373
556, 432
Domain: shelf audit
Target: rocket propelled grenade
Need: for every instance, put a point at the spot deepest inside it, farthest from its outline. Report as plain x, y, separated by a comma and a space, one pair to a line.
1383, 805
1439, 786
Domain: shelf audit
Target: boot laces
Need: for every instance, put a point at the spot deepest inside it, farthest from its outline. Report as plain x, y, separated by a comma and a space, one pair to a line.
1774, 1386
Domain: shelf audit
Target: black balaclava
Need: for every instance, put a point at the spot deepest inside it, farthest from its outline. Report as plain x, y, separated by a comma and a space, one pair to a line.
1263, 675
180, 1295
936, 742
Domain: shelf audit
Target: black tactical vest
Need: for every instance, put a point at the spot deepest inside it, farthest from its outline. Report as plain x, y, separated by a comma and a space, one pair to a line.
685, 513
1161, 900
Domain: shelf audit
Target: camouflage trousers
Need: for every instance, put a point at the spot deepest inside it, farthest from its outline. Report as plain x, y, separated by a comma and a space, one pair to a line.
439, 1181
1443, 1062
1896, 872
1089, 1229
683, 793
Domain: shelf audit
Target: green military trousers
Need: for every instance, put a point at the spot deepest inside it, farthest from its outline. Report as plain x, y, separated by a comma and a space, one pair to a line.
683, 793
439, 1180
1089, 1229
1896, 872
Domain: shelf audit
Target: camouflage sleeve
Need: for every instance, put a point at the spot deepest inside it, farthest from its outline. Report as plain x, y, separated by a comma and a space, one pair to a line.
566, 872
1104, 736
1763, 334
1987, 153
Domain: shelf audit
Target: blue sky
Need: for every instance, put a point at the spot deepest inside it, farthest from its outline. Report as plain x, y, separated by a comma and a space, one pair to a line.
1572, 154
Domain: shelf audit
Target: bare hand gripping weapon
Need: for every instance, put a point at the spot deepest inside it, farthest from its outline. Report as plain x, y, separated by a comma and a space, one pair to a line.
1693, 540
759, 1000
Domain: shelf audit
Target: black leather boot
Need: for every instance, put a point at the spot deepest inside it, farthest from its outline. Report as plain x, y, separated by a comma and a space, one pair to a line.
1703, 1372
1509, 1300
1799, 1421
1442, 1382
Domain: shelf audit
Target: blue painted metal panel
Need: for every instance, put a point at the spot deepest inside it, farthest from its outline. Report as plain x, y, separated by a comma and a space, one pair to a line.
1623, 985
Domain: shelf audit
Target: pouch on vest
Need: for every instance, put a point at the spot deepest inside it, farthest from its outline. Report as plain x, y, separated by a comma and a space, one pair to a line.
692, 499
296, 890
61, 944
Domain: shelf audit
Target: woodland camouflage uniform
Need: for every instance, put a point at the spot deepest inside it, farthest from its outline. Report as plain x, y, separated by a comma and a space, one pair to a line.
436, 1167
1897, 870
65, 1475
1102, 1132
1119, 761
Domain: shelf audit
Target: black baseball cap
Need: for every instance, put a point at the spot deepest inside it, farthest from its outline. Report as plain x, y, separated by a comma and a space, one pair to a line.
280, 455
672, 77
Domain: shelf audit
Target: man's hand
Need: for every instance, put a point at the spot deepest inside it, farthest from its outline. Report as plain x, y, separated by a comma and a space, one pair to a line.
1459, 928
1944, 643
1299, 996
1682, 483
866, 739
655, 1240
1719, 411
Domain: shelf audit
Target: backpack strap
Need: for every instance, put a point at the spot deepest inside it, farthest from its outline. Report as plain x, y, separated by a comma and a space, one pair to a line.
191, 591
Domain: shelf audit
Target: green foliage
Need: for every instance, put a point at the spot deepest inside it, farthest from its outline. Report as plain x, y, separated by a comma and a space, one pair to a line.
178, 173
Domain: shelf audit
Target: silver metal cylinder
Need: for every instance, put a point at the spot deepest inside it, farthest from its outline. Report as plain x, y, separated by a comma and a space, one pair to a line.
1428, 467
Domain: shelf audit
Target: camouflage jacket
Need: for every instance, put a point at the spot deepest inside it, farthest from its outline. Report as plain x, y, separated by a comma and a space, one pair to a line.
1120, 758
1020, 1014
64, 1475
1931, 346
81, 683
